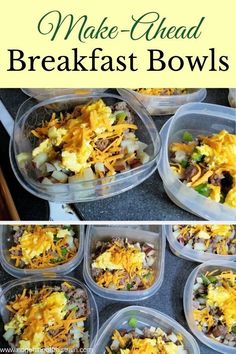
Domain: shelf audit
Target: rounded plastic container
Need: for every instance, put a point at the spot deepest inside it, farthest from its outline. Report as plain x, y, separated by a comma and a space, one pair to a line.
163, 105
220, 266
232, 97
31, 115
191, 254
10, 289
196, 118
146, 317
8, 264
45, 93
100, 233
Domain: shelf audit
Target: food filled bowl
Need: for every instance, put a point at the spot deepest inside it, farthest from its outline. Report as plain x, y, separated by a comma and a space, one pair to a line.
125, 264
82, 148
145, 330
204, 242
198, 166
44, 94
33, 249
164, 101
210, 305
47, 312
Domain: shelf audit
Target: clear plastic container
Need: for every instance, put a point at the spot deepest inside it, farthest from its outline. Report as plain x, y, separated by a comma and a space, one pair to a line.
188, 303
163, 105
45, 93
6, 243
232, 97
95, 233
31, 114
196, 118
10, 289
146, 317
191, 254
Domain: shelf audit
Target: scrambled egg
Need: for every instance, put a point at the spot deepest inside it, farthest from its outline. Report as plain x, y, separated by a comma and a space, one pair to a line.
76, 161
34, 244
46, 146
151, 346
225, 300
126, 259
49, 311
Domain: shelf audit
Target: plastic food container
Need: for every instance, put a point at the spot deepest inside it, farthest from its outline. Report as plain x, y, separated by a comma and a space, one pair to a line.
30, 115
196, 118
10, 289
188, 303
162, 105
191, 254
95, 233
43, 94
232, 97
8, 264
145, 317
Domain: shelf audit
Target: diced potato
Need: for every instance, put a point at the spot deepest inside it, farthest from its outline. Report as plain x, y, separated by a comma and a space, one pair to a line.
40, 159
60, 176
23, 158
46, 181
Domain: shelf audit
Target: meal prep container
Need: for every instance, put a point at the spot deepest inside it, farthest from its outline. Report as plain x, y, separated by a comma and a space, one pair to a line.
31, 115
43, 94
188, 302
162, 105
6, 243
99, 233
196, 118
232, 97
145, 317
191, 254
10, 289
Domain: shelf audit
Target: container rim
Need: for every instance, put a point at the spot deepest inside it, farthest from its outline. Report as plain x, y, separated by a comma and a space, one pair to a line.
109, 293
62, 269
147, 311
190, 253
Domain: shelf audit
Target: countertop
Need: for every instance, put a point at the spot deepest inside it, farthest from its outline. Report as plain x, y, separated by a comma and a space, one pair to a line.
148, 201
168, 299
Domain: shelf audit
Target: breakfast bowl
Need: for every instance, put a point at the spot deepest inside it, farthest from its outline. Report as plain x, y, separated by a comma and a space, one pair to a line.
73, 167
140, 320
201, 243
208, 305
20, 241
166, 102
42, 94
108, 278
190, 122
58, 312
